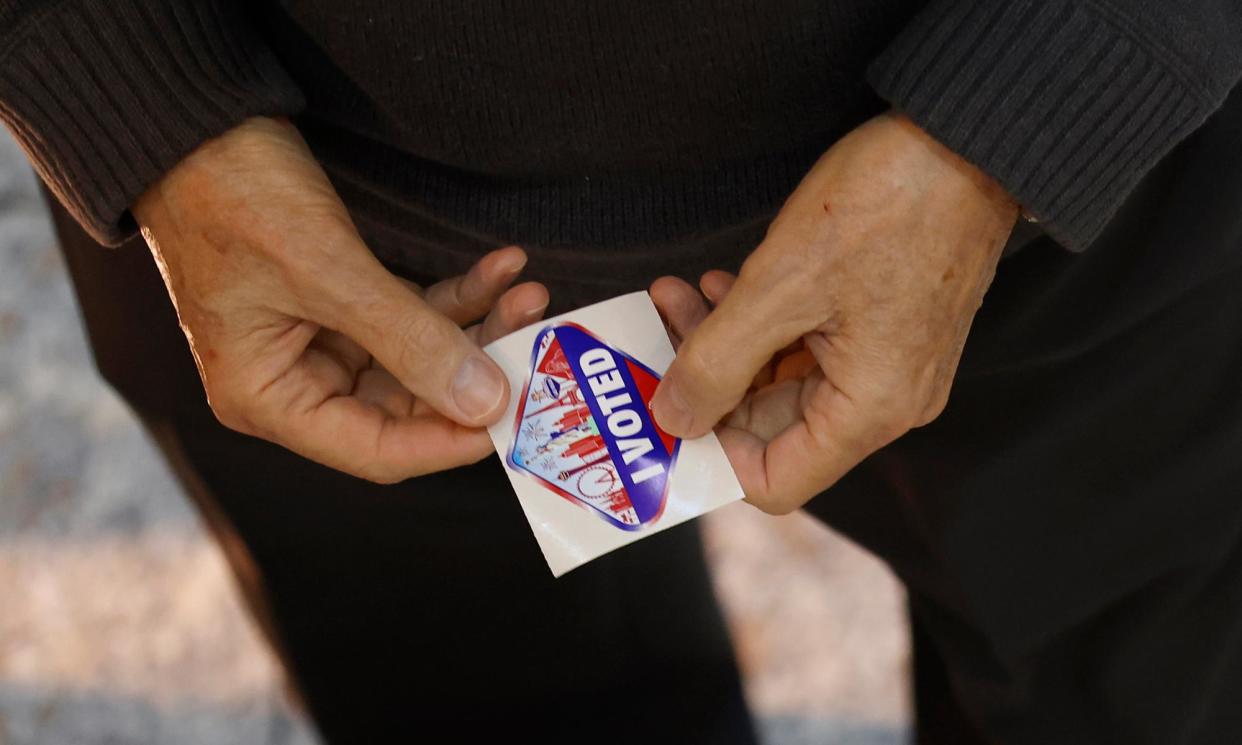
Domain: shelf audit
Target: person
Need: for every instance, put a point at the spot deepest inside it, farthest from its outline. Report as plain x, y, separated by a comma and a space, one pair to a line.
818, 193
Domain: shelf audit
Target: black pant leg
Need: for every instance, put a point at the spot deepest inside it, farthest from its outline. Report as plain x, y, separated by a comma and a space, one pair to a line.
1071, 527
423, 608
938, 715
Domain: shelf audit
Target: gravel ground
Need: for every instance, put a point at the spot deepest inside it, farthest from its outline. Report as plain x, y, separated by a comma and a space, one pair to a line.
119, 622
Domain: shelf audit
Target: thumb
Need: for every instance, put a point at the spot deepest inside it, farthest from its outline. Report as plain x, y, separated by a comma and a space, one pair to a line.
427, 352
719, 360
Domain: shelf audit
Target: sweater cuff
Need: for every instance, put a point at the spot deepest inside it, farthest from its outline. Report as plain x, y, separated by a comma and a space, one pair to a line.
107, 96
1066, 106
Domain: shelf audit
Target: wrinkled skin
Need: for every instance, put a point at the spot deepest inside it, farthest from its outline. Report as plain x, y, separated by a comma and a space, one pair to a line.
300, 334
844, 328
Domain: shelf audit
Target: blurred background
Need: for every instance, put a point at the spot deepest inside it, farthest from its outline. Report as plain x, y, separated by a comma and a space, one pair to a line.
120, 623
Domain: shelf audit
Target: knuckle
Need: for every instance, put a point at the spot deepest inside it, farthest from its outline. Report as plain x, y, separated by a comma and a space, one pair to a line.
700, 370
231, 406
381, 473
935, 407
896, 423
229, 415
419, 337
898, 427
224, 404
894, 406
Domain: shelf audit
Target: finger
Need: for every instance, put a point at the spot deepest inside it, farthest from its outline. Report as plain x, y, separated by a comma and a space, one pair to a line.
768, 411
681, 306
781, 475
831, 435
378, 387
351, 435
314, 410
716, 284
468, 297
423, 349
519, 307
717, 363
795, 365
793, 467
764, 377
351, 355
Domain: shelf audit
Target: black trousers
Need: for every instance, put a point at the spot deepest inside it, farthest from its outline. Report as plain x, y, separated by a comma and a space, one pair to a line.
1070, 529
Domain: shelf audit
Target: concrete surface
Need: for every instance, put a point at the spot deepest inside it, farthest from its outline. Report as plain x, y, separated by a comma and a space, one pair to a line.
119, 622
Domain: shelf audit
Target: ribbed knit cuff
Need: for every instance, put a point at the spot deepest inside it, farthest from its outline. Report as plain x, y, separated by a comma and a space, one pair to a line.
1063, 104
108, 95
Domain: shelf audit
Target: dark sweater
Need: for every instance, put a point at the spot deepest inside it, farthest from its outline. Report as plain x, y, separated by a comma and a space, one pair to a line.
608, 133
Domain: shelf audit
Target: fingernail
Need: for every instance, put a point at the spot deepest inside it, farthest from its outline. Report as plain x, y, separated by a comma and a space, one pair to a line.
513, 267
671, 411
477, 387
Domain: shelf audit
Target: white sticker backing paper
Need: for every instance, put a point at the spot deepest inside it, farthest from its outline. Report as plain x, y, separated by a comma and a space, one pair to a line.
590, 467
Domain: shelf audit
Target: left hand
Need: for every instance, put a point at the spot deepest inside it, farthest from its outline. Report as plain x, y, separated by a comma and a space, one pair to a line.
845, 326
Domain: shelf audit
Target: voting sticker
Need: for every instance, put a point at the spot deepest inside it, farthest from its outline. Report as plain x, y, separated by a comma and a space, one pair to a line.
591, 468
585, 431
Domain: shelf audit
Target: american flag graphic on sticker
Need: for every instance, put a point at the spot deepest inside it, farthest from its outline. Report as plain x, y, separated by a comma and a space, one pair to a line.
584, 428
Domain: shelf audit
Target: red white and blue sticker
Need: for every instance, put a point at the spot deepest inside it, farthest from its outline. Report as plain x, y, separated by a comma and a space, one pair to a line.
584, 428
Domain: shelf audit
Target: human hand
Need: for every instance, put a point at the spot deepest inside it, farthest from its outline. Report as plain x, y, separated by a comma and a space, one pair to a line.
302, 337
845, 326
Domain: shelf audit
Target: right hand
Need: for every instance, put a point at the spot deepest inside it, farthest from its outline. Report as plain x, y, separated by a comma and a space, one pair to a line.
302, 337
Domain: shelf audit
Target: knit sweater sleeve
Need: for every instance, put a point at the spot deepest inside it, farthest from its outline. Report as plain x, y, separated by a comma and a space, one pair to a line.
107, 95
1067, 103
